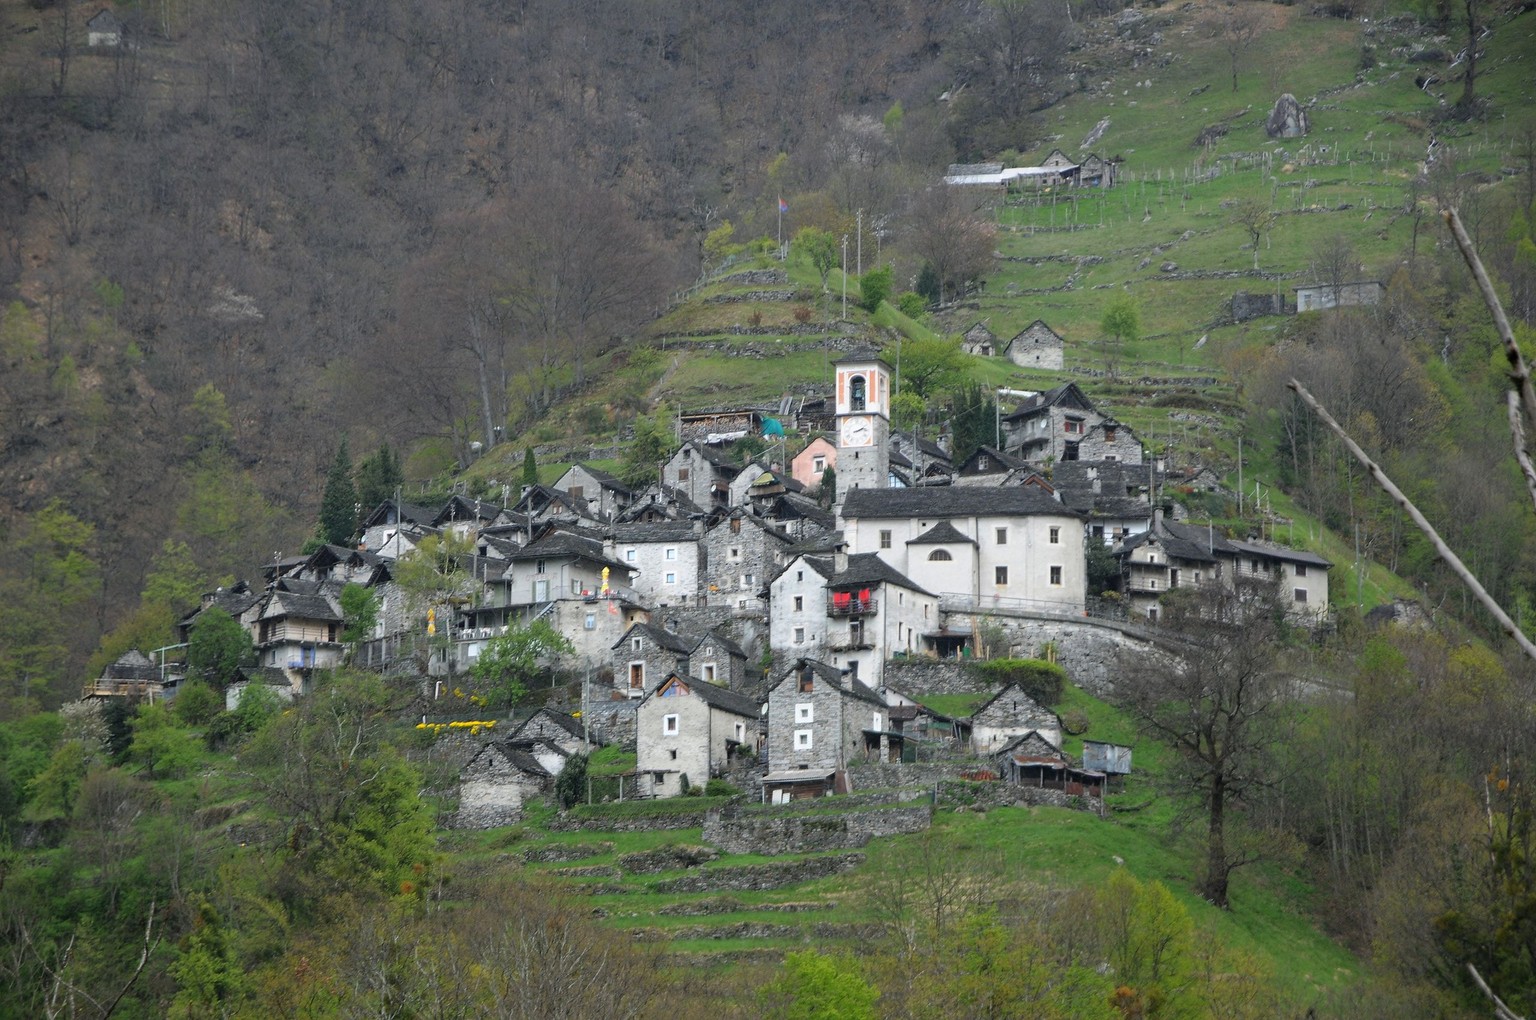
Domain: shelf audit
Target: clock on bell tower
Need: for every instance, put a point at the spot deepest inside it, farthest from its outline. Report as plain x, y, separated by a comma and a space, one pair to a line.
863, 423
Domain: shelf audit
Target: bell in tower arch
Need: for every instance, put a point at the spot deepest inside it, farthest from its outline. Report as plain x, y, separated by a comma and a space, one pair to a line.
856, 393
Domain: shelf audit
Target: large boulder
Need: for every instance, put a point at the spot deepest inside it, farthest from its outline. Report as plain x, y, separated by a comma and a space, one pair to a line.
1287, 119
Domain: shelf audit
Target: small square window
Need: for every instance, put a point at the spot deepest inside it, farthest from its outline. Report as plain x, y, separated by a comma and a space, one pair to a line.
538, 567
802, 740
1301, 570
669, 725
885, 539
805, 712
799, 603
682, 474
709, 672
670, 554
634, 644
674, 754
590, 623
819, 465
1301, 594
1055, 536
1000, 575
671, 577
1055, 575
1002, 536
734, 554
629, 555
799, 635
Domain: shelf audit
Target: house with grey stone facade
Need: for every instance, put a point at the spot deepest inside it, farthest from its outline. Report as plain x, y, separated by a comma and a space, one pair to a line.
657, 502
560, 729
686, 727
665, 560
740, 553
1010, 547
979, 340
1115, 496
1037, 346
495, 784
604, 494
716, 659
821, 718
1049, 427
647, 653
1008, 714
701, 472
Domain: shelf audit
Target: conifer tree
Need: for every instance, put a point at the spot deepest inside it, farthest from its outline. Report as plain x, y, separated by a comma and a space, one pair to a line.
338, 506
530, 467
377, 478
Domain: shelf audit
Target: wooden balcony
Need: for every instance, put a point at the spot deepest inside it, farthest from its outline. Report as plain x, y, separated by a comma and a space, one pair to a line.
852, 607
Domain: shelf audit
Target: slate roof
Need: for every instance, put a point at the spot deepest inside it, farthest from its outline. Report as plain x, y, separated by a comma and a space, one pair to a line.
1004, 690
717, 697
715, 637
659, 531
556, 543
462, 508
569, 723
518, 758
1179, 548
272, 676
868, 568
1275, 552
131, 665
605, 479
862, 355
836, 679
805, 508
821, 564
410, 513
663, 637
1067, 395
953, 501
234, 600
942, 533
303, 607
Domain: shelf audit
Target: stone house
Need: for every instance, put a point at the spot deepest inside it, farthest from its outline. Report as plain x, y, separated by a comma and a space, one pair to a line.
657, 502
1097, 172
987, 466
394, 528
558, 728
821, 718
797, 608
605, 495
1016, 546
134, 676
927, 463
647, 653
756, 485
495, 784
686, 727
1037, 346
269, 677
979, 340
664, 560
465, 517
1049, 427
716, 659
701, 472
542, 504
612, 722
1032, 760
1008, 714
740, 553
807, 466
799, 517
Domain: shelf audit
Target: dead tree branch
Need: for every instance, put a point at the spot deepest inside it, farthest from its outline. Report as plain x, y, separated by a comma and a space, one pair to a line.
1501, 1011
1401, 499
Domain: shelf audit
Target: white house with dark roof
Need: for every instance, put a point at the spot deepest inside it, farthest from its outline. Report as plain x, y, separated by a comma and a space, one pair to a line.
797, 607
664, 558
1022, 547
875, 612
686, 727
558, 577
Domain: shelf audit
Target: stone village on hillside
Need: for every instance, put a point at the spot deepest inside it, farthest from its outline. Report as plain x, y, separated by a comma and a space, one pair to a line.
731, 624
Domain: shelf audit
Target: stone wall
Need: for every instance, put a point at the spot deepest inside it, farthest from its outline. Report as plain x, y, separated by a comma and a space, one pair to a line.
933, 676
1247, 306
912, 774
739, 831
962, 794
629, 823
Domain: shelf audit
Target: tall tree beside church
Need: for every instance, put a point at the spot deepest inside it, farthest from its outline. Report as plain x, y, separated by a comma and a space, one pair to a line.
338, 507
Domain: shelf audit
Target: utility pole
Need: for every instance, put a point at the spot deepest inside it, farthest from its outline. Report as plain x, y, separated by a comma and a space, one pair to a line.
858, 265
845, 277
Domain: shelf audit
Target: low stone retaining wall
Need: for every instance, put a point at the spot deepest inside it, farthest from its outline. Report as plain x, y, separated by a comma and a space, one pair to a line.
919, 775
961, 794
933, 676
760, 930
758, 832
759, 877
628, 823
557, 853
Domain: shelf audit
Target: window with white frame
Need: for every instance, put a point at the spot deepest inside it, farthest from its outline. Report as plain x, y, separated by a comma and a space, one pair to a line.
1002, 536
802, 740
1055, 536
799, 635
885, 539
629, 555
669, 725
1301, 570
671, 577
805, 712
799, 603
734, 554
670, 554
1056, 575
590, 623
709, 672
1301, 594
999, 575
634, 644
